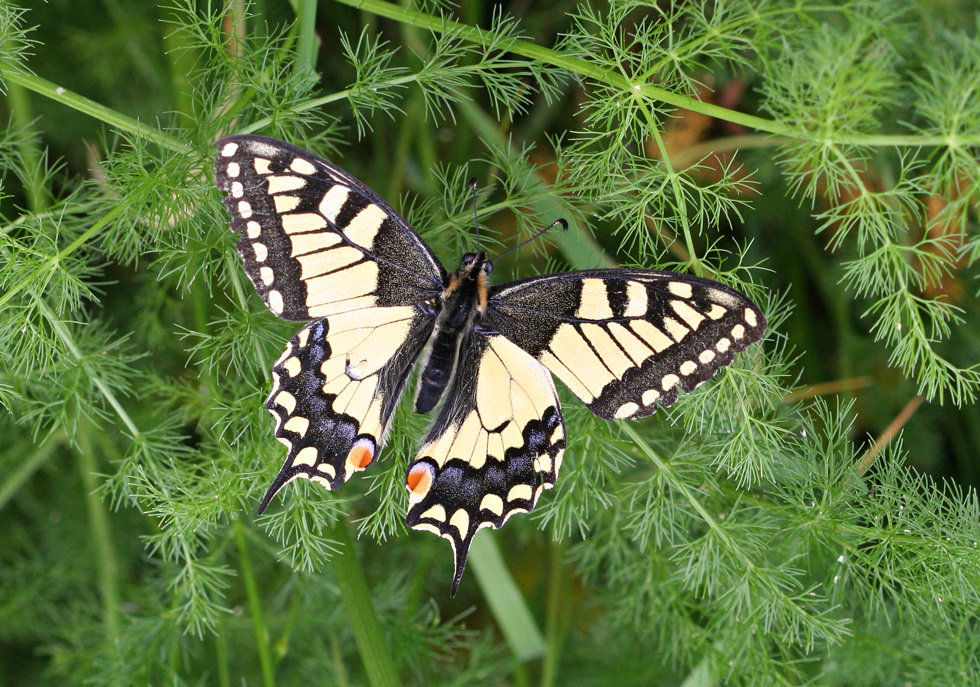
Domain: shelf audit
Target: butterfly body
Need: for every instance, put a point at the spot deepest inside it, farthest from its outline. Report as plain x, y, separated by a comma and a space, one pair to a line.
461, 304
321, 247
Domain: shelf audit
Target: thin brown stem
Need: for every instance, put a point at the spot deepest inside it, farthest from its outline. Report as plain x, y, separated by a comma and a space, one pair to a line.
890, 432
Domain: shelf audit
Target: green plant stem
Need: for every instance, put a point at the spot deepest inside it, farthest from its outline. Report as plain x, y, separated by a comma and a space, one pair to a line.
180, 66
556, 58
52, 262
221, 654
693, 154
82, 104
559, 611
675, 185
577, 245
35, 459
403, 142
308, 42
520, 676
254, 605
235, 276
106, 561
30, 152
339, 667
505, 600
593, 70
378, 662
69, 342
682, 488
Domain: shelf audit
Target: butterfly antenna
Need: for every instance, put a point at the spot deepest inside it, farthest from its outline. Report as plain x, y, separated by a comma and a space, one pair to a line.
564, 227
476, 218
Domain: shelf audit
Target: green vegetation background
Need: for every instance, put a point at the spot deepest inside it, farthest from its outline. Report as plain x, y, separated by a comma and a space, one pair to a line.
807, 517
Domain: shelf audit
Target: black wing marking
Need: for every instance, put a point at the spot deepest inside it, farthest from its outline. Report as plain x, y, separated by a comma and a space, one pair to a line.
497, 442
625, 340
316, 241
336, 387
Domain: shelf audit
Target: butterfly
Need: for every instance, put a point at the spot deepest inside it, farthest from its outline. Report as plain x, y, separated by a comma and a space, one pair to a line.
322, 248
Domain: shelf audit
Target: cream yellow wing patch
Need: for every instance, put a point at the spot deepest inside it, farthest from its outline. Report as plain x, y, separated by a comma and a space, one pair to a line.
497, 443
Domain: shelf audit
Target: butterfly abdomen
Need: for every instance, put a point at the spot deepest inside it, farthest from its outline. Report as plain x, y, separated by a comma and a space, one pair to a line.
464, 297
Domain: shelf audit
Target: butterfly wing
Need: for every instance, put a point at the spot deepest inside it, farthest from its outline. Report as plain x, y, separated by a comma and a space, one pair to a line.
319, 245
625, 340
316, 241
496, 443
335, 389
622, 340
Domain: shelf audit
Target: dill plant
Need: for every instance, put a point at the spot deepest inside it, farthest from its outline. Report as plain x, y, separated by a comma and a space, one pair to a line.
751, 534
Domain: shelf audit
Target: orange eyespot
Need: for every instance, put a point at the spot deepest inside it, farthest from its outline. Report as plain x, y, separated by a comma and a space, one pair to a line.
419, 481
361, 454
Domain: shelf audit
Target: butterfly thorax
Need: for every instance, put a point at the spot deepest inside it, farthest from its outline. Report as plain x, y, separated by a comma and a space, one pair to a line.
463, 301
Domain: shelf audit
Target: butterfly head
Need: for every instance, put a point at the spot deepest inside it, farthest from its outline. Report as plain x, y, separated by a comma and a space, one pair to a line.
473, 265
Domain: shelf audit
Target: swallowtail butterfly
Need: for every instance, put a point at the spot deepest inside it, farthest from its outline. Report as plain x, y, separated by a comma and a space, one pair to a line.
322, 248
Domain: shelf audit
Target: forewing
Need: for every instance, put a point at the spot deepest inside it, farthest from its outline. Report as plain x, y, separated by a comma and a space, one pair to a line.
316, 241
335, 389
624, 340
497, 442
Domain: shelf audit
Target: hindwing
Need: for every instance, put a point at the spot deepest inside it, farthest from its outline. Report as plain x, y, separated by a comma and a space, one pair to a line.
625, 340
314, 240
335, 389
496, 444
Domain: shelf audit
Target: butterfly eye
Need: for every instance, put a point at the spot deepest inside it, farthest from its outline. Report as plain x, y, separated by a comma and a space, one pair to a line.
487, 267
469, 258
